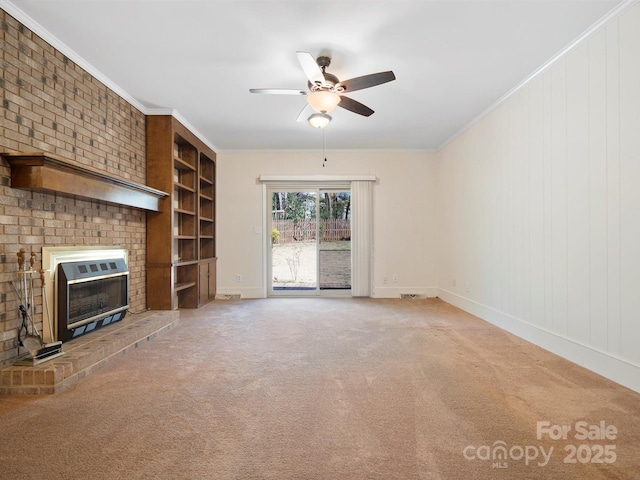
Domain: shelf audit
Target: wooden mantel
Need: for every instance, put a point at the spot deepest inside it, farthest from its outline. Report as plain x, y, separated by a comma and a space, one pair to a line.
41, 171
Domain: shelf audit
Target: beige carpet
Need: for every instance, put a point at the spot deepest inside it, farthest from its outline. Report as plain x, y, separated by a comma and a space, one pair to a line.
325, 389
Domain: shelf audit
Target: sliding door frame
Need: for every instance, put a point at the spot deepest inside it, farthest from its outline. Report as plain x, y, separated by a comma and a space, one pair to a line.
301, 182
318, 188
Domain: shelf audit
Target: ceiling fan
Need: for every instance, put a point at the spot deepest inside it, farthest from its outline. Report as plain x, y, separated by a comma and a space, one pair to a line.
326, 92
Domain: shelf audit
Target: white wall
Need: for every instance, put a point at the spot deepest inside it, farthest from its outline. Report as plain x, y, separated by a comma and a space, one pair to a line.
404, 195
540, 207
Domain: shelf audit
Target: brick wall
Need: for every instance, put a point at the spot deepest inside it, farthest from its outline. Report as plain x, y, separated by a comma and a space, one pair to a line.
50, 104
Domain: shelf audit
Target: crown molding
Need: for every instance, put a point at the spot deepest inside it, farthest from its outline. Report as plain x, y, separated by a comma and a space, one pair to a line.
339, 151
317, 178
175, 114
66, 50
603, 22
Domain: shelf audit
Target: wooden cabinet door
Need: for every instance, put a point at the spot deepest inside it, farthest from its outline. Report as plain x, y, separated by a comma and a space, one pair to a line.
207, 281
203, 283
212, 280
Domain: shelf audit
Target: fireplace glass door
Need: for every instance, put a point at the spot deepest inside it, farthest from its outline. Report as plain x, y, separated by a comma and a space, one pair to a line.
91, 294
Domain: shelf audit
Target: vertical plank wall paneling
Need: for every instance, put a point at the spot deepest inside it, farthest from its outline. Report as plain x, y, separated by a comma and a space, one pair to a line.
540, 207
597, 158
559, 203
578, 313
536, 206
629, 44
547, 162
614, 279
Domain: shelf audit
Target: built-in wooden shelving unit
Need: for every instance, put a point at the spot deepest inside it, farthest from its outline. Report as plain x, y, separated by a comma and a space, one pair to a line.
181, 253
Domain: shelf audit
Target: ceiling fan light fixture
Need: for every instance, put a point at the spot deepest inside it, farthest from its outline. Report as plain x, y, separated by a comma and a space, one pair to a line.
323, 101
319, 120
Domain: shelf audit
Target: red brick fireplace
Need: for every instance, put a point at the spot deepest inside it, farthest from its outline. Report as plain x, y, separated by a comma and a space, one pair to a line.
50, 104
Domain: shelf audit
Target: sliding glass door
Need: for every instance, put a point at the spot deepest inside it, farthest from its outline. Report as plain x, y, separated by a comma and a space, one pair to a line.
294, 253
310, 241
334, 240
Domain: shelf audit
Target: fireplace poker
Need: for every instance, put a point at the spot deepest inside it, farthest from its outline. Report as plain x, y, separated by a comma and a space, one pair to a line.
32, 341
46, 304
32, 262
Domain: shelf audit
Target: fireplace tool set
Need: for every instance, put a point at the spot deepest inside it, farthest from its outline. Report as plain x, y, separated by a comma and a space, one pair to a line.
37, 350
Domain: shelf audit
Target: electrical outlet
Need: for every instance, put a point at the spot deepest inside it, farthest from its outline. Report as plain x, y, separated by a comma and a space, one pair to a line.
395, 277
239, 278
384, 280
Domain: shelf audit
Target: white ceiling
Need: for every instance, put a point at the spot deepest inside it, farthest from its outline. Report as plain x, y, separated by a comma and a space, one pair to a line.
452, 59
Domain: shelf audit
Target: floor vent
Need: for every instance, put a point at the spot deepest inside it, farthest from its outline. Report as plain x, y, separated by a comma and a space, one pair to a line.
411, 296
228, 296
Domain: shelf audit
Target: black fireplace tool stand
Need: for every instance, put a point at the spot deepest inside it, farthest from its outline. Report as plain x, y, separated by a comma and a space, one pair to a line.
37, 350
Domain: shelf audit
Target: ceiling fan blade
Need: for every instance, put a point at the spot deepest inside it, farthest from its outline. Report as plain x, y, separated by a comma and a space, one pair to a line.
366, 81
311, 68
277, 91
355, 107
305, 113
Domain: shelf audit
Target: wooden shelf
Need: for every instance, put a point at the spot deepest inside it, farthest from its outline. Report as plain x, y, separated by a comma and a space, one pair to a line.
182, 286
184, 212
46, 172
182, 165
184, 263
184, 187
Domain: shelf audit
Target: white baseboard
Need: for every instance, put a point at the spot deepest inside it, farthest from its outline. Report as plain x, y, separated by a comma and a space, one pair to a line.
243, 292
386, 292
619, 370
395, 292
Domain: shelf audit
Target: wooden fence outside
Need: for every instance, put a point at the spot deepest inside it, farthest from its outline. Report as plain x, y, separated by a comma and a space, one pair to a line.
301, 230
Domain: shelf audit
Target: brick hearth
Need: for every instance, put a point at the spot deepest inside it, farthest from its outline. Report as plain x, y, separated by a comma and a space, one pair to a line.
85, 354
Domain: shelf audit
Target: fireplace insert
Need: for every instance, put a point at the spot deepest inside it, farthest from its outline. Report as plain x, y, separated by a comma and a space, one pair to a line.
91, 294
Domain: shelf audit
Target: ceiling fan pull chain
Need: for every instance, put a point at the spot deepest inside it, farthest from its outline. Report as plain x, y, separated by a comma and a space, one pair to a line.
324, 148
